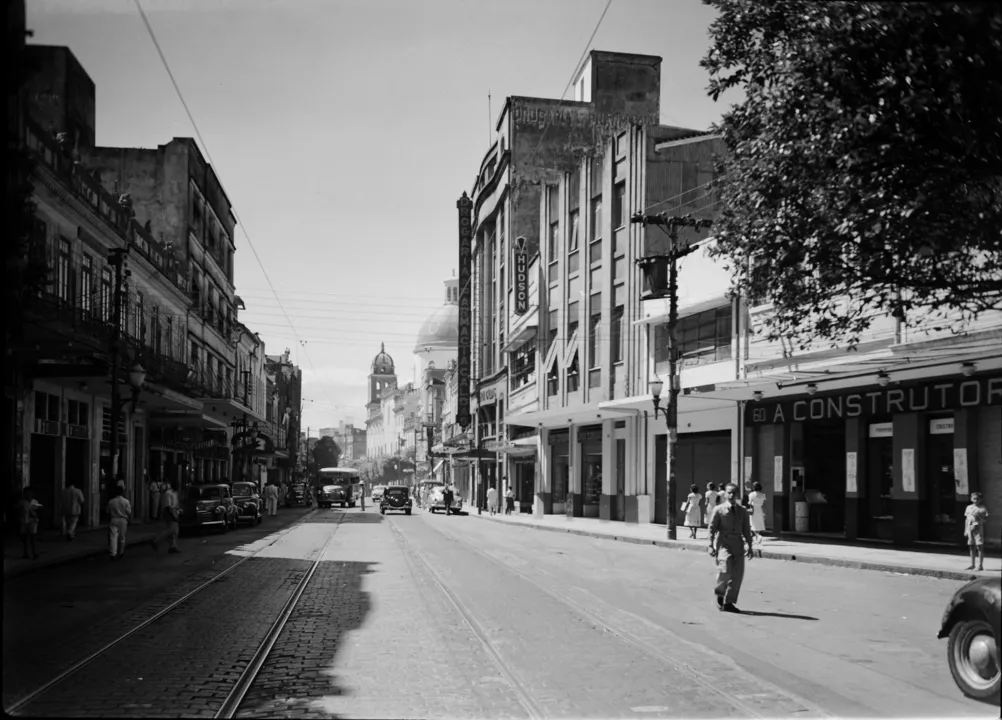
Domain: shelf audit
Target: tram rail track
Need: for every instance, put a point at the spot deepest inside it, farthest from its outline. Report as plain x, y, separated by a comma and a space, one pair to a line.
231, 704
615, 629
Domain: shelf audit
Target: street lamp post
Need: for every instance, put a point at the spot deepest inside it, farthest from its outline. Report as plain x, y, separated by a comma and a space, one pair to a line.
655, 268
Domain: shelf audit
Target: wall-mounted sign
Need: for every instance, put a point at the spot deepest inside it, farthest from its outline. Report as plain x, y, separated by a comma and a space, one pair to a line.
908, 470
464, 205
777, 473
941, 426
881, 430
960, 470
850, 472
521, 277
906, 398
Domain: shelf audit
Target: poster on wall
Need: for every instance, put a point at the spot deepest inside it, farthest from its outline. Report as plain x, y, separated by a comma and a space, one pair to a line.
850, 472
960, 470
777, 474
748, 469
908, 470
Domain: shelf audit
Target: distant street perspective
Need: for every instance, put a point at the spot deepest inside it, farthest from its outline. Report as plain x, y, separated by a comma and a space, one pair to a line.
454, 616
451, 359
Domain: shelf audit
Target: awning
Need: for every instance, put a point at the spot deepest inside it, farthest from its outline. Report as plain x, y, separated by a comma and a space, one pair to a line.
560, 417
520, 338
687, 403
657, 311
475, 454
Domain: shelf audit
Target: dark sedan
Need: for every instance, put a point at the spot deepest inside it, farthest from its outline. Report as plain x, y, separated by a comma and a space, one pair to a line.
972, 622
396, 498
248, 501
208, 506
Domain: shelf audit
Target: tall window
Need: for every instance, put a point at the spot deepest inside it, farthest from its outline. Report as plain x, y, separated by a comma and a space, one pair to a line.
553, 380
169, 337
63, 276
702, 338
573, 375
155, 328
619, 218
87, 285
594, 320
616, 334
107, 278
553, 247
554, 331
140, 317
595, 238
573, 241
573, 310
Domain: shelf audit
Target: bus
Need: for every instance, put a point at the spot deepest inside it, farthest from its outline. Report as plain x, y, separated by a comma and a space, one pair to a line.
337, 485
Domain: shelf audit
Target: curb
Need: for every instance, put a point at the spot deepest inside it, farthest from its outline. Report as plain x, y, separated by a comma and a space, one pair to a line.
764, 554
31, 567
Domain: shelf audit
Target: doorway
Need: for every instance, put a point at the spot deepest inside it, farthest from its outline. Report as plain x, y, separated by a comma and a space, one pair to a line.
42, 476
661, 479
939, 515
526, 484
77, 464
620, 480
824, 476
878, 521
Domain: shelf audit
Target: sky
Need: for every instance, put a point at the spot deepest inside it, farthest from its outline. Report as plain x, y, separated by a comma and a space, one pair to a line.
344, 131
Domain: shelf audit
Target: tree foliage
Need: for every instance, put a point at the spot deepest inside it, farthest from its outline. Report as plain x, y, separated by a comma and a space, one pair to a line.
326, 453
864, 173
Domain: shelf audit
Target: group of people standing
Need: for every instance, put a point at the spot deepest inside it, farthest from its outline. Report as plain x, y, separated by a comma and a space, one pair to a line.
698, 515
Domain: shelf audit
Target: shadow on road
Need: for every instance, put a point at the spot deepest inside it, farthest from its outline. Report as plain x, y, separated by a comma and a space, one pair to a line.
754, 613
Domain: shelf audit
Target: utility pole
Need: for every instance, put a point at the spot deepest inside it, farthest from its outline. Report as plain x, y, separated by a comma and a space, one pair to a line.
117, 259
653, 271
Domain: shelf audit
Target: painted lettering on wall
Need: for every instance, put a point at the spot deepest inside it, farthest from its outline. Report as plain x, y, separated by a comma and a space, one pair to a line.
465, 206
929, 397
543, 117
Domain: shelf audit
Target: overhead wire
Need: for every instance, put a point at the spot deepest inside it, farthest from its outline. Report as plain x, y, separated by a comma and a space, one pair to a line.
205, 148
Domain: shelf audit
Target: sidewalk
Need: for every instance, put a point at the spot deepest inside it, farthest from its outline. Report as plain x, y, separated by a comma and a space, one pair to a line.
909, 562
54, 549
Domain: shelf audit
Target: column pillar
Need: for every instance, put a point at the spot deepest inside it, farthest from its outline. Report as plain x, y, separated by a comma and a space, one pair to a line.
575, 498
607, 502
783, 460
965, 459
543, 502
855, 475
909, 467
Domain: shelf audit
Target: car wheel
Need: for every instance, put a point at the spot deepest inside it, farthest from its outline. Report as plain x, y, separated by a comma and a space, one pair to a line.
974, 659
382, 512
407, 512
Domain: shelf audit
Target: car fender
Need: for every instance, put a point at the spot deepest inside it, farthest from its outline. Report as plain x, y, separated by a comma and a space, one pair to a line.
978, 599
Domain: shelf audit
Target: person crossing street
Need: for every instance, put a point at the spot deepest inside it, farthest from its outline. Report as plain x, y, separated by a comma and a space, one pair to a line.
170, 514
730, 530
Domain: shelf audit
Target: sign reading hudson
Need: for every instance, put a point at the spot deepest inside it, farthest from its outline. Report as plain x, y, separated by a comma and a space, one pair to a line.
463, 416
930, 397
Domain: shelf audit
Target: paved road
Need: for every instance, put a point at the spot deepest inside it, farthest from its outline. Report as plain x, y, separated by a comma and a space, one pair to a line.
434, 616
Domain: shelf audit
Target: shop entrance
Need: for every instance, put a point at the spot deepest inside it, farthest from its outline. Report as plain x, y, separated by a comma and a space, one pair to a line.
939, 522
824, 477
878, 519
42, 474
661, 479
620, 480
525, 471
77, 463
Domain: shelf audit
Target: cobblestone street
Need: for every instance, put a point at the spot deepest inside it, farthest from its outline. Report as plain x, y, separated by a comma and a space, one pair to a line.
434, 616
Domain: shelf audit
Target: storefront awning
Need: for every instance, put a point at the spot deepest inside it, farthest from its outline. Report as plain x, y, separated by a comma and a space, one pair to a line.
658, 311
687, 403
475, 454
520, 338
560, 417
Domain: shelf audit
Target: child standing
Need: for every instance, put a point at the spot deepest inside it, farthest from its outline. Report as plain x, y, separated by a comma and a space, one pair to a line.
975, 517
692, 511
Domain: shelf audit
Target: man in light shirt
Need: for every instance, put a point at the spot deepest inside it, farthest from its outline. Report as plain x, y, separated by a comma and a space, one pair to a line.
170, 513
73, 500
120, 512
271, 498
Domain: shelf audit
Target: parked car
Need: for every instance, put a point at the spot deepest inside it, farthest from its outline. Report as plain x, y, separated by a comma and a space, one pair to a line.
972, 622
377, 493
299, 494
396, 498
436, 500
208, 506
248, 502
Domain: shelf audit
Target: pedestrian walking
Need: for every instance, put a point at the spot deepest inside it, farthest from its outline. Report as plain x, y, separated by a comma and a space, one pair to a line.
492, 499
271, 499
756, 503
692, 510
975, 518
509, 500
73, 500
730, 530
120, 512
448, 496
27, 510
711, 502
170, 515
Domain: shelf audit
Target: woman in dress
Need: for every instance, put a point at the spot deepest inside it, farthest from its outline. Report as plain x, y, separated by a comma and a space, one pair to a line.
711, 502
756, 500
692, 511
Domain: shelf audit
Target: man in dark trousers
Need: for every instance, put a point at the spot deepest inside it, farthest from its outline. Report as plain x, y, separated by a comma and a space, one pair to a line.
730, 530
448, 496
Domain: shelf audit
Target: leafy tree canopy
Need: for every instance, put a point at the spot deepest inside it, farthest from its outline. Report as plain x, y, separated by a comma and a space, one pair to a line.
326, 453
864, 173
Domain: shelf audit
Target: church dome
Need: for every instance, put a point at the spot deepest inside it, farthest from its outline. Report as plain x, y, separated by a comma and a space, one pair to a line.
382, 364
440, 331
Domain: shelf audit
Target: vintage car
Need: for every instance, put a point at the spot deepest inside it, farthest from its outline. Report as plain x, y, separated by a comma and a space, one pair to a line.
250, 507
208, 506
299, 494
436, 500
396, 498
328, 495
972, 622
377, 493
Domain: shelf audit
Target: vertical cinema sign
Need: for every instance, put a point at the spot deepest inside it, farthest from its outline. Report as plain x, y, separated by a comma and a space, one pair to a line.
465, 205
521, 277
